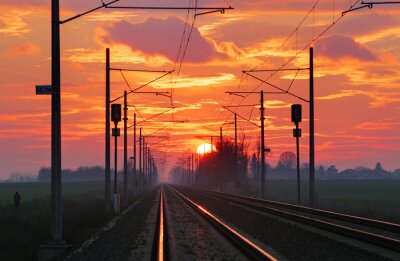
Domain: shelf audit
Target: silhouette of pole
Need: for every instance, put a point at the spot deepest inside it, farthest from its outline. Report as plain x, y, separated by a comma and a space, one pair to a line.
134, 149
148, 167
107, 189
193, 179
312, 155
125, 196
220, 135
262, 118
140, 159
56, 203
298, 164
236, 154
144, 161
115, 160
146, 164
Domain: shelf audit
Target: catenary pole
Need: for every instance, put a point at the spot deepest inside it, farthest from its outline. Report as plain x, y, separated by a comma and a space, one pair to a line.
125, 195
140, 160
107, 189
56, 203
312, 155
262, 118
134, 151
236, 154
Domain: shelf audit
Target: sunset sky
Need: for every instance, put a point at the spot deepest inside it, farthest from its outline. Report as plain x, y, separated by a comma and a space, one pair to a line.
357, 74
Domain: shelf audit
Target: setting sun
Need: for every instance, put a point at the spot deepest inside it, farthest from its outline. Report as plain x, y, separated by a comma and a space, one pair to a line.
205, 148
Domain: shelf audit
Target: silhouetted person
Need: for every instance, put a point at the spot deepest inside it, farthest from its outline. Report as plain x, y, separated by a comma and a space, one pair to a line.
17, 199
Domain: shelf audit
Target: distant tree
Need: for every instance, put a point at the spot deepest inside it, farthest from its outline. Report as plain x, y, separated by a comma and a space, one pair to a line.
254, 166
332, 170
321, 170
81, 174
44, 174
378, 167
217, 168
287, 160
22, 177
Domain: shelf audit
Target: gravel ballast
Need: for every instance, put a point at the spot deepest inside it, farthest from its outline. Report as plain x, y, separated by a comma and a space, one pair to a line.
289, 240
125, 238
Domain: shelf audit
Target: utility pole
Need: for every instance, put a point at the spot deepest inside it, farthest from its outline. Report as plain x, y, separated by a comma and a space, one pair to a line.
190, 170
236, 155
140, 159
134, 151
107, 190
220, 135
148, 167
151, 169
144, 162
125, 196
193, 179
262, 119
262, 146
56, 203
312, 155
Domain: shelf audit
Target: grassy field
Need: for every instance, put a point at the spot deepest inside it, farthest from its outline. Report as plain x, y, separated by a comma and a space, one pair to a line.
37, 190
378, 199
23, 230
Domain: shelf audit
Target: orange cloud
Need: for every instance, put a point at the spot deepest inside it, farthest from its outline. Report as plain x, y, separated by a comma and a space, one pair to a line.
23, 49
187, 81
384, 124
379, 99
12, 23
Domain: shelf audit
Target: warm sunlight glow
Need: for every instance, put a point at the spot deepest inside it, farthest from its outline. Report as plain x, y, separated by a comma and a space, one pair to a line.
205, 148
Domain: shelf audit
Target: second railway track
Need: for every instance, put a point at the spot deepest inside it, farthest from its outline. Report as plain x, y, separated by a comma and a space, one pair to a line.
375, 232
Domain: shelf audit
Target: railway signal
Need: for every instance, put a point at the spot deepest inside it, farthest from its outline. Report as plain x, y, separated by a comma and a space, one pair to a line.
296, 118
115, 117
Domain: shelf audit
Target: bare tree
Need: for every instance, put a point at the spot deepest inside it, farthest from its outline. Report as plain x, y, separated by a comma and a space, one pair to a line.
287, 160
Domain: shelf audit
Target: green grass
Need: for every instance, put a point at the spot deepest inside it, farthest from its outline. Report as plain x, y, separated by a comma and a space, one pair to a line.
379, 199
37, 190
23, 230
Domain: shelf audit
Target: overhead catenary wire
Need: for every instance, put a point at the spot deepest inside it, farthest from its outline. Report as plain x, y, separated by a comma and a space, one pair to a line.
311, 12
142, 86
293, 32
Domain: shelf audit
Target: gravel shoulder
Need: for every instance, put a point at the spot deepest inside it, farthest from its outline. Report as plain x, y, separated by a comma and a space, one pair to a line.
129, 236
292, 241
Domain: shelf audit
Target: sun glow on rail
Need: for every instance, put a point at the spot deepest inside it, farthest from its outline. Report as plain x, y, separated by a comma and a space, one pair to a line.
205, 148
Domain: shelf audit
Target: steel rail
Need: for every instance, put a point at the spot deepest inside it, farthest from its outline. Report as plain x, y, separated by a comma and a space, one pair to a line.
384, 225
367, 237
245, 245
159, 242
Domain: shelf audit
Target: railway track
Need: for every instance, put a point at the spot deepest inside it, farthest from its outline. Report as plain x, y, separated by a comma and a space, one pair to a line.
375, 232
175, 205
